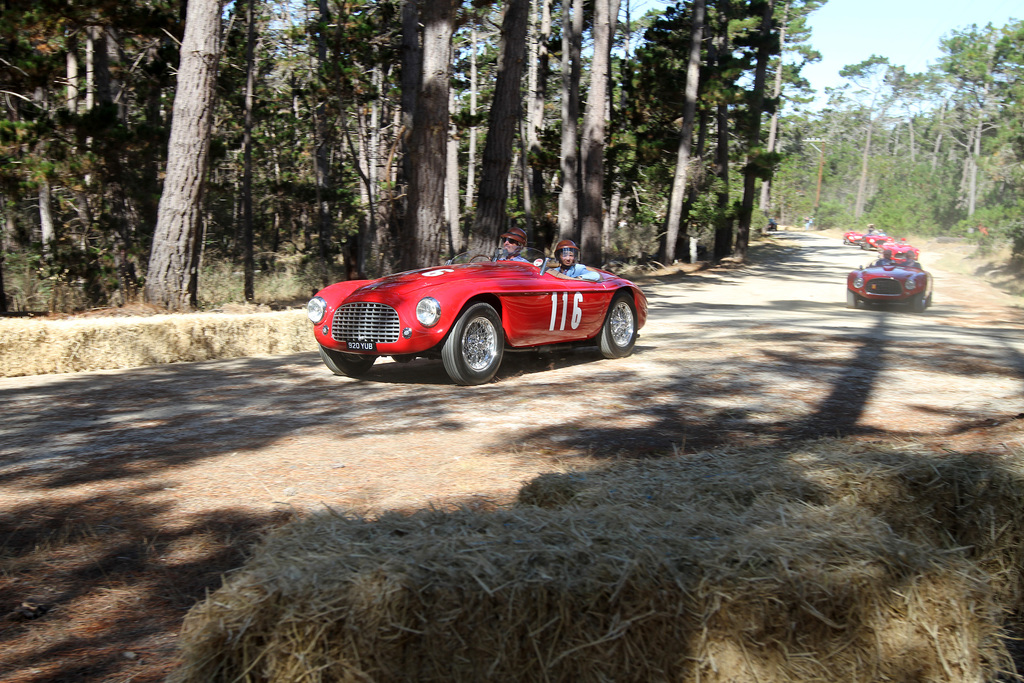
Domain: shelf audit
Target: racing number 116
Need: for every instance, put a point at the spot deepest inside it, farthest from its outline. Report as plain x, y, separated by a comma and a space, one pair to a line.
577, 312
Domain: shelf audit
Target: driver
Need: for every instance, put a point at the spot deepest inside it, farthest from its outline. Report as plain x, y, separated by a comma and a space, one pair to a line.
512, 242
568, 254
886, 260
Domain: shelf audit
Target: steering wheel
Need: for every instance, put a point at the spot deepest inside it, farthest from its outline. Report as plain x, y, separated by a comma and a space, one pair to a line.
474, 257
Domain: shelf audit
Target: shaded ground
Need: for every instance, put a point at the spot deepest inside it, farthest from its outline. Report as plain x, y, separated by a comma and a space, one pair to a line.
126, 494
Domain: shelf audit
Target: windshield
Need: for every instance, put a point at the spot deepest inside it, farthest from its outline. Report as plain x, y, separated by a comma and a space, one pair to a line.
534, 256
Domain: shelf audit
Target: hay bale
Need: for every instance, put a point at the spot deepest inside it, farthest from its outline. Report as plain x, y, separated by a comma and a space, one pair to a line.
797, 592
972, 504
34, 347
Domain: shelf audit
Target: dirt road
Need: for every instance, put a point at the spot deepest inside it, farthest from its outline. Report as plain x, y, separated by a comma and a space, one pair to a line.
125, 493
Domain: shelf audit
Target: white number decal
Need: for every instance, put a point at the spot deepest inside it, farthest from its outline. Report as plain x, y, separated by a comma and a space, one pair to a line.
439, 271
577, 312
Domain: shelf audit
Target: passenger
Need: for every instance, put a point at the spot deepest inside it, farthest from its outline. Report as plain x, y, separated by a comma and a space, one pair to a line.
871, 229
512, 242
567, 254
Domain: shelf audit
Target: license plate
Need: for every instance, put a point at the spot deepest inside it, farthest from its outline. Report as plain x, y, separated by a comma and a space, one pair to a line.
361, 346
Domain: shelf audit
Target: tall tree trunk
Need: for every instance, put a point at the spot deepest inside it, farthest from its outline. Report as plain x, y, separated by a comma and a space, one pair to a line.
451, 192
321, 156
675, 204
72, 73
540, 94
474, 129
592, 138
773, 126
248, 267
572, 38
724, 226
46, 216
171, 278
750, 172
862, 182
428, 142
498, 149
975, 154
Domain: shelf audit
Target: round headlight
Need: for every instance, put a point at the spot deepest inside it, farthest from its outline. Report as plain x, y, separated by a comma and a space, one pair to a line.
858, 282
910, 284
428, 311
316, 309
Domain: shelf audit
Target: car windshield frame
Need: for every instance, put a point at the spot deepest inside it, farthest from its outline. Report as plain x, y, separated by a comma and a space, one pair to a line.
533, 256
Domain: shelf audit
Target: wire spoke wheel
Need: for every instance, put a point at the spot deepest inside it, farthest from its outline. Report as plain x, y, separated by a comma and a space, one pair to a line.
473, 350
618, 336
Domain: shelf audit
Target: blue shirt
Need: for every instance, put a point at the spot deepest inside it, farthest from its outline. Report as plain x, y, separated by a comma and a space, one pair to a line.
578, 270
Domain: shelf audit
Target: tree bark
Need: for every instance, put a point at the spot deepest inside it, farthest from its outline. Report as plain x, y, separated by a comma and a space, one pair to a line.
572, 37
428, 141
773, 126
751, 170
592, 139
675, 205
248, 267
503, 120
171, 277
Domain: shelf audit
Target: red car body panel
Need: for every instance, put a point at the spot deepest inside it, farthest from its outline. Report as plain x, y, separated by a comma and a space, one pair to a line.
535, 309
853, 237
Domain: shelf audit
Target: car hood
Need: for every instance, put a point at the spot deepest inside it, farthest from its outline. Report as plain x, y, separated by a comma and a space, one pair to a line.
891, 271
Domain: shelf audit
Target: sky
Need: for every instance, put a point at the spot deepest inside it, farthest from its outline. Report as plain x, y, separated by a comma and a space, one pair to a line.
849, 31
906, 31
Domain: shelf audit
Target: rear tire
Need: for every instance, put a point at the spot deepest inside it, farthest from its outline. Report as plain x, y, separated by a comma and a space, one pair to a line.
473, 350
348, 364
618, 335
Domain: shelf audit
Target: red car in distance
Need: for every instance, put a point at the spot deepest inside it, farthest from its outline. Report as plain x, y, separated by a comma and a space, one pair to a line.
874, 240
901, 249
853, 238
469, 312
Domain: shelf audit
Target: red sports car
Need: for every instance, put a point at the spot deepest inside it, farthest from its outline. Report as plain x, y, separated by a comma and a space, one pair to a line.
901, 249
874, 240
853, 238
905, 283
469, 312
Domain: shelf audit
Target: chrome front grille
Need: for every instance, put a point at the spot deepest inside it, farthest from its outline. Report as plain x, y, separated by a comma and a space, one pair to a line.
365, 321
884, 285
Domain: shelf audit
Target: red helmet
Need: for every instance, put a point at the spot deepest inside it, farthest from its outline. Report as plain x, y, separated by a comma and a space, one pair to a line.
516, 234
567, 244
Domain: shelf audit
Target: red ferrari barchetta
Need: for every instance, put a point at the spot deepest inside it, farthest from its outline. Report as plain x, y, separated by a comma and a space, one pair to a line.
470, 311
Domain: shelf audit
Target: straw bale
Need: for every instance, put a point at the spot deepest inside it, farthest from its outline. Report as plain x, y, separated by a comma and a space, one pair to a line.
794, 590
32, 347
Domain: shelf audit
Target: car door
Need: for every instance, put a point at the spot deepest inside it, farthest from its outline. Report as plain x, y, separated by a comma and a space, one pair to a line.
554, 310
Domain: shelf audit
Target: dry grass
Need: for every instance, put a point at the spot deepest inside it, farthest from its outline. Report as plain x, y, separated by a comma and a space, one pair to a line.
42, 346
821, 564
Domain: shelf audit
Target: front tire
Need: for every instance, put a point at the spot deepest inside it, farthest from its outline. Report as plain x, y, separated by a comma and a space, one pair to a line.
473, 350
853, 301
618, 335
348, 364
920, 303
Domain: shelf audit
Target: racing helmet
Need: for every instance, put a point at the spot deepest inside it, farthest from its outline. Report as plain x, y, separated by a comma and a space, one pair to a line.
571, 246
517, 235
